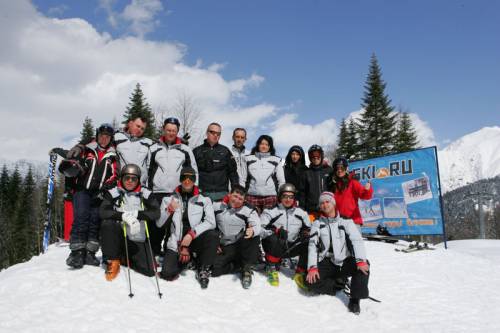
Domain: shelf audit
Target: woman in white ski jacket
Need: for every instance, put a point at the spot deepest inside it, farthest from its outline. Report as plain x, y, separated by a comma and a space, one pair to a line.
264, 174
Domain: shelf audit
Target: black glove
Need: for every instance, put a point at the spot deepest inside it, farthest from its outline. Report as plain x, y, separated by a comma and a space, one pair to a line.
281, 233
185, 139
304, 233
75, 152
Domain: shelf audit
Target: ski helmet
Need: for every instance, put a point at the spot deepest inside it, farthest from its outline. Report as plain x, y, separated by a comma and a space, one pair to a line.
188, 171
131, 169
340, 161
105, 129
70, 168
314, 148
287, 187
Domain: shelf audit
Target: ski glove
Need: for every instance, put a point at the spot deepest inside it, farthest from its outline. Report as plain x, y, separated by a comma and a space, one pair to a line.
75, 152
281, 233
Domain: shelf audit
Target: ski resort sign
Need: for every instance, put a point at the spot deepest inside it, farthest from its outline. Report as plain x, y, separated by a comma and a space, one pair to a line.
407, 197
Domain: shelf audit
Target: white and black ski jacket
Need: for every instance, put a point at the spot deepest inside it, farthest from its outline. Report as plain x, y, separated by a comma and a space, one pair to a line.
200, 214
166, 164
241, 164
293, 220
117, 201
232, 222
334, 238
265, 174
134, 150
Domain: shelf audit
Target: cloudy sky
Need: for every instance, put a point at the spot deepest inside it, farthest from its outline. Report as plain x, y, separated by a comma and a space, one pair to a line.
291, 69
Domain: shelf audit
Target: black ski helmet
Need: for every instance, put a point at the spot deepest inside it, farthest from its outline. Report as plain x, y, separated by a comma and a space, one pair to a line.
70, 168
340, 161
315, 148
105, 129
287, 187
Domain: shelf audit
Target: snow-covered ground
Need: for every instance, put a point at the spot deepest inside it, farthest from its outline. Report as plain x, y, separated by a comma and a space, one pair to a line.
454, 290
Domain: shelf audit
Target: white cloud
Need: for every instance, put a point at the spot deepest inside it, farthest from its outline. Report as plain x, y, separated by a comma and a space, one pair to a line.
287, 131
54, 72
57, 10
139, 15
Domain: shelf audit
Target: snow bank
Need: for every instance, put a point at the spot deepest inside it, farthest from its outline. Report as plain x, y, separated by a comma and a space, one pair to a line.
453, 290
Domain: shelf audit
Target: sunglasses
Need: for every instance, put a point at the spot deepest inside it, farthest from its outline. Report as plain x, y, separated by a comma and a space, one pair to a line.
130, 178
215, 133
288, 196
190, 177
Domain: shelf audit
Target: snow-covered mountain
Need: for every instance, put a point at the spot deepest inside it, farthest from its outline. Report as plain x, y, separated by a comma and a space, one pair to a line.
452, 290
473, 157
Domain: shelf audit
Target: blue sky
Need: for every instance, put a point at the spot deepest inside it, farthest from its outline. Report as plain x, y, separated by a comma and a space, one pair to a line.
292, 69
440, 59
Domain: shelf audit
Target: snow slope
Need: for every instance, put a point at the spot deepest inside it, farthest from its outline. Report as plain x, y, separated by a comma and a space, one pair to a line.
473, 157
453, 290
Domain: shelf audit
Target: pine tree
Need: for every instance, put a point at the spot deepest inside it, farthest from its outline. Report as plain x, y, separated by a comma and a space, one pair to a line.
342, 149
24, 232
4, 228
352, 140
88, 131
12, 207
138, 107
406, 136
377, 124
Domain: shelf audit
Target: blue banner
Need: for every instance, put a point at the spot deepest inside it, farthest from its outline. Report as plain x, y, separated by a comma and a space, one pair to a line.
406, 197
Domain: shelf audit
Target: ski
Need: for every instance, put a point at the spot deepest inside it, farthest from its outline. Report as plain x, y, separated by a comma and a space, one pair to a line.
382, 238
413, 247
50, 192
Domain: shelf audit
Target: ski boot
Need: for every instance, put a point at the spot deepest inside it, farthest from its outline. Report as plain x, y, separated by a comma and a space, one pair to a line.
203, 275
76, 258
112, 269
91, 260
273, 276
353, 306
246, 278
299, 279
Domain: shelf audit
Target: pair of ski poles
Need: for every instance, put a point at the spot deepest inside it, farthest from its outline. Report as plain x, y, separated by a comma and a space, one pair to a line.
152, 260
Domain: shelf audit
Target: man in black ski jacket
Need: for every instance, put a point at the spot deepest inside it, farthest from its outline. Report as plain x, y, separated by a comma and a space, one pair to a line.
317, 179
216, 165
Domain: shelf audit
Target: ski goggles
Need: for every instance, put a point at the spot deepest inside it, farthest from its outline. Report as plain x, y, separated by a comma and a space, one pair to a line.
130, 178
188, 176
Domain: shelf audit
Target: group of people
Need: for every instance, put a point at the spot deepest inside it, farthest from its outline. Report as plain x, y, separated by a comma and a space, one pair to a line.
220, 210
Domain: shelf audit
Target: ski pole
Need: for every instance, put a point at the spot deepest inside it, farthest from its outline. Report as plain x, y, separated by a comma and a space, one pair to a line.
152, 258
128, 262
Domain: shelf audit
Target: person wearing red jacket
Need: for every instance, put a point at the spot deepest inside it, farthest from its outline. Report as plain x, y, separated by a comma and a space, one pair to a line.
348, 191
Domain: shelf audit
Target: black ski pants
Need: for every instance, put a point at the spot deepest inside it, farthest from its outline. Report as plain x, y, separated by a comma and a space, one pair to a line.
331, 278
86, 224
203, 246
157, 235
113, 247
244, 253
276, 248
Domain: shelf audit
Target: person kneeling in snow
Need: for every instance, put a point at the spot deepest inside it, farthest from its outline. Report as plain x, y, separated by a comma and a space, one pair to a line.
336, 251
192, 230
286, 228
125, 211
239, 229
